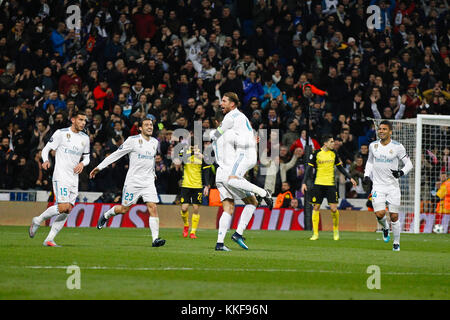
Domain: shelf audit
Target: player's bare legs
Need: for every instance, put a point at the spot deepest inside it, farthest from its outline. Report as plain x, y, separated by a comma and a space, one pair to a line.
224, 223
250, 206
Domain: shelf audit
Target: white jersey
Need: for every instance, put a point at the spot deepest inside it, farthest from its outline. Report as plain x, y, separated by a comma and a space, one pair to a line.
142, 154
244, 137
382, 159
70, 147
225, 154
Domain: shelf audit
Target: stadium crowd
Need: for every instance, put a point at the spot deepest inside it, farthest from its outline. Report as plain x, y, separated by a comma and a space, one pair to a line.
172, 60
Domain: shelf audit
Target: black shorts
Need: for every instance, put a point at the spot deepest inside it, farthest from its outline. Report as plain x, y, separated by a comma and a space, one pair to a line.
320, 192
191, 195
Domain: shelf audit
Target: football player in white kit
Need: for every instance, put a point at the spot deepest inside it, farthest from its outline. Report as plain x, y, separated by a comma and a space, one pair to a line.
245, 144
71, 144
382, 170
140, 179
225, 156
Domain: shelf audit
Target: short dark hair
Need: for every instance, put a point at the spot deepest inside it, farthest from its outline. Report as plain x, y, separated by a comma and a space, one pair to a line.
387, 123
140, 122
78, 113
326, 138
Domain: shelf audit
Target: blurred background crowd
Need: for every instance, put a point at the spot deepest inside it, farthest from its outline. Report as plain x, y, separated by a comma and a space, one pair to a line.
171, 61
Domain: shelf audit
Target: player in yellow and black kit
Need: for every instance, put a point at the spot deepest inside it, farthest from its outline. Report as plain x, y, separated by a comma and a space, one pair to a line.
324, 160
195, 184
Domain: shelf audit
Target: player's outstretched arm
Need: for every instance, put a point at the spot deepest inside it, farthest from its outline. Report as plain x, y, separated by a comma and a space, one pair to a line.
125, 148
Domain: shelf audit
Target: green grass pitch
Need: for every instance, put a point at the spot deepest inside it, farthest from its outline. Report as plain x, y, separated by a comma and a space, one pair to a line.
121, 264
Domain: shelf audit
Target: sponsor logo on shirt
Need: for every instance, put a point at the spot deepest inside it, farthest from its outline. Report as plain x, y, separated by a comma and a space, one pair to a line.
146, 156
383, 159
72, 152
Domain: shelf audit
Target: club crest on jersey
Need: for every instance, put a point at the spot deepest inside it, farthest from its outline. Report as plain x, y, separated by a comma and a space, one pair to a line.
391, 151
376, 146
140, 143
68, 137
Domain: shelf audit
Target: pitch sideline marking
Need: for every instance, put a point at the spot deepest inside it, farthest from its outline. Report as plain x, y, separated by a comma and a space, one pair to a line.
227, 269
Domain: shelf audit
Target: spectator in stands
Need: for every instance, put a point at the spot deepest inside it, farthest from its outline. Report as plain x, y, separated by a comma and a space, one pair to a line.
175, 55
270, 92
301, 142
252, 87
295, 204
284, 198
58, 105
144, 22
103, 95
60, 39
357, 172
292, 134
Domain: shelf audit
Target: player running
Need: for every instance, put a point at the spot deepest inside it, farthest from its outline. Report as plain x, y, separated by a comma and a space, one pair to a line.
71, 144
382, 170
140, 179
225, 155
324, 160
245, 144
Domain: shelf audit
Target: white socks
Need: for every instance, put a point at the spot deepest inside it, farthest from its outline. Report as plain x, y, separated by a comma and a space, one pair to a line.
110, 213
154, 227
383, 222
224, 224
247, 186
246, 215
57, 225
47, 214
396, 231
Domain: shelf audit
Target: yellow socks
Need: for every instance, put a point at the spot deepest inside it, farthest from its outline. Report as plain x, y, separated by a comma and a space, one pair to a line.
195, 221
315, 222
335, 216
185, 217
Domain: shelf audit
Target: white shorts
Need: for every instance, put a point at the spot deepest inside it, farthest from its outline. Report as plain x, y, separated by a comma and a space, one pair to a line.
225, 190
131, 194
65, 193
228, 192
390, 196
243, 163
